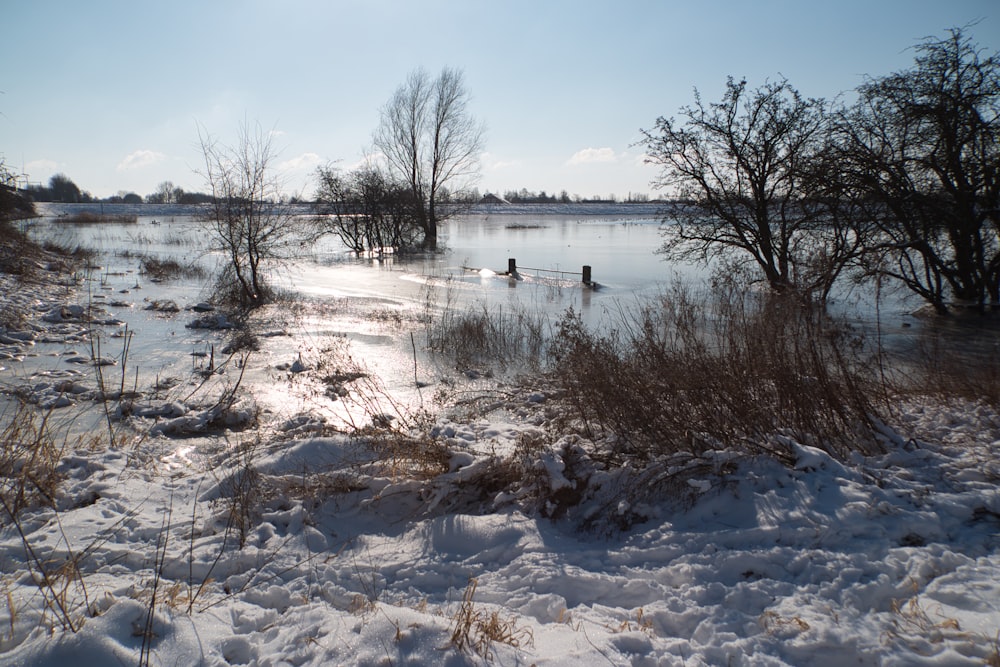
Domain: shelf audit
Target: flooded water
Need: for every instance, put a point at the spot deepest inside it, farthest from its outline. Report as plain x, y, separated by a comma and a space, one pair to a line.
380, 306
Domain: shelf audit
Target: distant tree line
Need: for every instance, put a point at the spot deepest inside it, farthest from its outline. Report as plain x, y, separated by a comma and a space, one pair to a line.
524, 196
62, 189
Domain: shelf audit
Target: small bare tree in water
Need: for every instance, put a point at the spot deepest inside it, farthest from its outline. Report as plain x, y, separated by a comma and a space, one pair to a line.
366, 209
247, 219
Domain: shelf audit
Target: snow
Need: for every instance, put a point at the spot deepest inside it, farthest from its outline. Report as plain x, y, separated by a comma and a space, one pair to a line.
353, 556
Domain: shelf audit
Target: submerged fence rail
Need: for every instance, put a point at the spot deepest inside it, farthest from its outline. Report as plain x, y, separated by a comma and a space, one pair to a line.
585, 274
513, 270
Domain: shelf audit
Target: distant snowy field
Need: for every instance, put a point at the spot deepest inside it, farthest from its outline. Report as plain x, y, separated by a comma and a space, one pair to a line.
350, 558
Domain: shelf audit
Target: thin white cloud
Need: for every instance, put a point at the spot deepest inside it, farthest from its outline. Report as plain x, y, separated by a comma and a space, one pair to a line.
304, 161
41, 165
140, 160
590, 155
492, 162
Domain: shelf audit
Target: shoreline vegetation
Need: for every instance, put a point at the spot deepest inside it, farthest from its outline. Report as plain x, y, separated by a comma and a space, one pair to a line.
92, 218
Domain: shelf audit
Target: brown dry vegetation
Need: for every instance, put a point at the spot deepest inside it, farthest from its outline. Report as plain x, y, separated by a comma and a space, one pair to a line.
754, 371
90, 218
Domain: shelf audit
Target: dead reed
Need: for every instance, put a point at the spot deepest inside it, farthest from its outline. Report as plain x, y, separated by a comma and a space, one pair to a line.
731, 369
482, 334
90, 218
157, 269
475, 630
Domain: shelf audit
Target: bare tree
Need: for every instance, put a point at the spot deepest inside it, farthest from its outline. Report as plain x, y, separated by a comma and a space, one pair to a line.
744, 170
366, 209
920, 151
430, 140
166, 193
247, 219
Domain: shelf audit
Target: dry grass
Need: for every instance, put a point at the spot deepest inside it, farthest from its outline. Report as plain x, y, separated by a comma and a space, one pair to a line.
750, 371
489, 335
241, 490
16, 249
475, 630
29, 478
993, 655
22, 257
920, 629
13, 317
89, 218
28, 461
402, 455
166, 269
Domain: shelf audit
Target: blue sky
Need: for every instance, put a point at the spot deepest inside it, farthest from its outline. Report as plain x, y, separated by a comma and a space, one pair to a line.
112, 94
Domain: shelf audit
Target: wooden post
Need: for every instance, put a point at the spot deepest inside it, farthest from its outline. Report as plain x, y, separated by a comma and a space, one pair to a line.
586, 275
511, 266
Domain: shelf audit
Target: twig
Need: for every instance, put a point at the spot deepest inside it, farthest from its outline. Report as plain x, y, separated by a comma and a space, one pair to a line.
416, 381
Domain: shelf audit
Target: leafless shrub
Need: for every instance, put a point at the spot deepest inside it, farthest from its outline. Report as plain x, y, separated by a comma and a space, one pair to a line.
247, 220
242, 339
751, 371
230, 295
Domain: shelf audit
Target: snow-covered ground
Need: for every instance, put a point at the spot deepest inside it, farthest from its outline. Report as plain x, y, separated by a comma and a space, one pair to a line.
492, 537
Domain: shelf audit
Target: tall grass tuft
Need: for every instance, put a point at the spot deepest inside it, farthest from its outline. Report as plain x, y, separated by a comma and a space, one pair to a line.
489, 335
29, 478
475, 630
168, 268
29, 461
